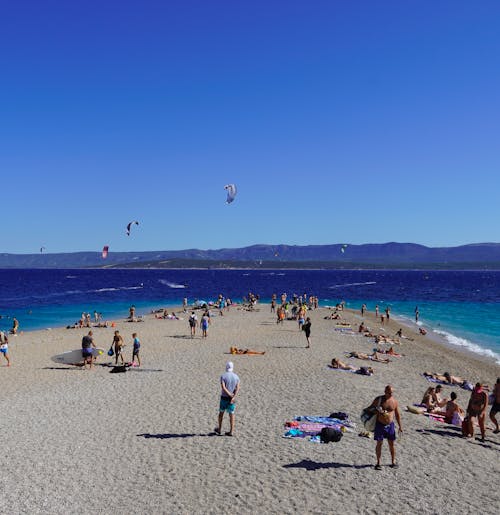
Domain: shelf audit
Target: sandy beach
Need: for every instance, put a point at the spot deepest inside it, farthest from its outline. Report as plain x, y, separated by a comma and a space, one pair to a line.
88, 441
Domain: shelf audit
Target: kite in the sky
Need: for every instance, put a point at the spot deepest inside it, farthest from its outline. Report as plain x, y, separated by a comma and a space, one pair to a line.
105, 252
342, 249
231, 192
129, 226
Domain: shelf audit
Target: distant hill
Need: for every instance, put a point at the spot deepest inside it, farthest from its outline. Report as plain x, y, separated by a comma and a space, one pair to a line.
373, 255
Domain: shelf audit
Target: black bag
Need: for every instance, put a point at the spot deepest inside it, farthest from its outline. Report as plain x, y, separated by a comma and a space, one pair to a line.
330, 434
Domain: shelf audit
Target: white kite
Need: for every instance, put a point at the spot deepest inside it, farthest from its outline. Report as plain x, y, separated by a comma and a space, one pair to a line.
231, 192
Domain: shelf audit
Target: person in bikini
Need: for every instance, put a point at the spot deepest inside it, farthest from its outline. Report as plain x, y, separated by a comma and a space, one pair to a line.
118, 344
235, 350
387, 409
478, 403
371, 357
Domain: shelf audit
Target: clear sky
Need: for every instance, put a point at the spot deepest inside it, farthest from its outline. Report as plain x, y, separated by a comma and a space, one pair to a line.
339, 122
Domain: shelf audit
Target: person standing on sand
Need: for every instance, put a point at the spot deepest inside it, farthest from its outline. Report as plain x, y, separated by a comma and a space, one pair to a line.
387, 408
495, 408
15, 325
363, 310
376, 312
118, 343
4, 347
184, 304
135, 349
230, 386
87, 350
193, 322
306, 327
205, 322
478, 403
131, 313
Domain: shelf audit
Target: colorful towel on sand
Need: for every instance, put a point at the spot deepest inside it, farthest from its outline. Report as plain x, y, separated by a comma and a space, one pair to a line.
310, 427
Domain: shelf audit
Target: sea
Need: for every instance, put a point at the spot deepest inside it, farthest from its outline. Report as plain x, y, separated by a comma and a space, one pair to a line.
461, 308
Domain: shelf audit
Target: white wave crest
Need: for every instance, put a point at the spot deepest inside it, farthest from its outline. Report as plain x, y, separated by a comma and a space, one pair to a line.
171, 285
463, 342
352, 284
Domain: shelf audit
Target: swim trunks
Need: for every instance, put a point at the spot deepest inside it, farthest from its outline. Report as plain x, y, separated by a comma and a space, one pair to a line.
4, 348
382, 432
494, 409
86, 352
226, 405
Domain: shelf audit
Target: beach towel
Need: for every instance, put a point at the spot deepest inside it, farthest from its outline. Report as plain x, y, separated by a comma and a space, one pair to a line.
310, 427
466, 385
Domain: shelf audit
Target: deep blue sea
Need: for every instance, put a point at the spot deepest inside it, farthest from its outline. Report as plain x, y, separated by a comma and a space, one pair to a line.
463, 307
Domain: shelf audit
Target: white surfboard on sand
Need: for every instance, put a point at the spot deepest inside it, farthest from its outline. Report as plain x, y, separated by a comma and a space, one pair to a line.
74, 357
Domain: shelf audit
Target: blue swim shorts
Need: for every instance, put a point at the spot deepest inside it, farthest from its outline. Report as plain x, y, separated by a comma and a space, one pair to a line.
4, 350
86, 352
382, 432
226, 405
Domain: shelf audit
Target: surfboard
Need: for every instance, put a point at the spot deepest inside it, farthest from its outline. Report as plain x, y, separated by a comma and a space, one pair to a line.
74, 357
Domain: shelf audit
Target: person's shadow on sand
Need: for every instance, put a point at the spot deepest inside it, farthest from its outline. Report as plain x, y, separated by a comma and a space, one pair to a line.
165, 436
456, 433
314, 465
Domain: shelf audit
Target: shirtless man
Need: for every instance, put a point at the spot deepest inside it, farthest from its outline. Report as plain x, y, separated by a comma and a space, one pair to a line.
496, 405
118, 344
387, 408
478, 403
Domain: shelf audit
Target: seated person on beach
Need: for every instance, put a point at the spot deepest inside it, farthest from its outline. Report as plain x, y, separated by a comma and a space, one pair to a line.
422, 331
333, 316
436, 396
428, 399
399, 334
235, 350
372, 357
453, 413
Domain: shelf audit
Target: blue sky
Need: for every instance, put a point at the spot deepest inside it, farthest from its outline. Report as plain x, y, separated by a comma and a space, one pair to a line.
339, 121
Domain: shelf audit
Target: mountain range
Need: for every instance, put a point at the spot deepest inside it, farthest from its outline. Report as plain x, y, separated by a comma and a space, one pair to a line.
342, 256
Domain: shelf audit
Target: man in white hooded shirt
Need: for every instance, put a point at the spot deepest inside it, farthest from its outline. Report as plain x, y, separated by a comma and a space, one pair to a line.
230, 386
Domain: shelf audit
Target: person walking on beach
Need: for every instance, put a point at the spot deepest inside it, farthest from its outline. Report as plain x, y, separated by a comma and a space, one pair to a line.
193, 322
363, 310
306, 327
230, 386
387, 409
184, 304
478, 403
135, 349
87, 350
495, 408
4, 347
118, 343
205, 322
131, 313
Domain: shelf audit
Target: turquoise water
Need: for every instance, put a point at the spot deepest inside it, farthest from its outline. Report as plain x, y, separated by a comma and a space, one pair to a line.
470, 325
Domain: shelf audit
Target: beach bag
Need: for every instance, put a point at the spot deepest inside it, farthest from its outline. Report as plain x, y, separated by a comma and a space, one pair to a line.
465, 426
111, 352
330, 434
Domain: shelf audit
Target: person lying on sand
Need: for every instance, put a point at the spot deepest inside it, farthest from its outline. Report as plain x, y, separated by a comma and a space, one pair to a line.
445, 378
390, 352
382, 338
372, 357
235, 350
337, 364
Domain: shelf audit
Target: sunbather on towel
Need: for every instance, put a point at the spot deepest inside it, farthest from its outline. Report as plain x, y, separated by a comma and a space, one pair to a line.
390, 352
371, 357
445, 378
235, 350
337, 364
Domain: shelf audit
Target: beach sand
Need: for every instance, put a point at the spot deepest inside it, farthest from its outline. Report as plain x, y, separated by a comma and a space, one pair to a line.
88, 441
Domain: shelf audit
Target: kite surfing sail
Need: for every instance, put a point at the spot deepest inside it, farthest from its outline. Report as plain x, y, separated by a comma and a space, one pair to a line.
231, 192
129, 226
342, 249
105, 252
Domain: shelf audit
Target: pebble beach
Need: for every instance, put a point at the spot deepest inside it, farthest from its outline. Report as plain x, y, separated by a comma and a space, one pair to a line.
90, 441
